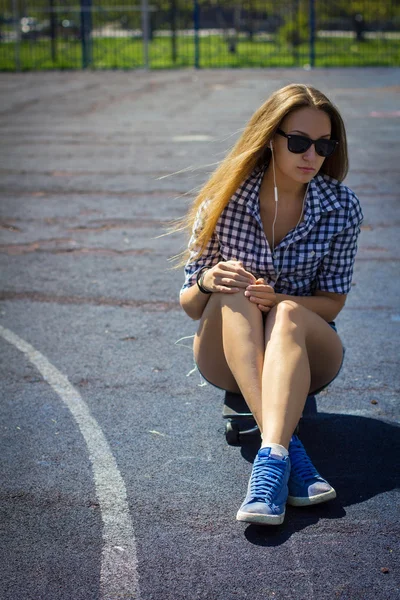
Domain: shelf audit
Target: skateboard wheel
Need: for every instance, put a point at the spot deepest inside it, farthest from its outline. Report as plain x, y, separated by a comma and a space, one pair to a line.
232, 434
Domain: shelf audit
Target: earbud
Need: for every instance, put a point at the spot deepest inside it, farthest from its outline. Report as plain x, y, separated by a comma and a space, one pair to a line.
270, 145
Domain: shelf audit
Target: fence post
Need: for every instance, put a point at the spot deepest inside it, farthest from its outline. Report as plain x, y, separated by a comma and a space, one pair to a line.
53, 31
17, 29
312, 33
86, 32
146, 32
196, 24
173, 30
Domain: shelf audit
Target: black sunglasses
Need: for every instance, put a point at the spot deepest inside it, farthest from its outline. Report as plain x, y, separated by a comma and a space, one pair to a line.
300, 143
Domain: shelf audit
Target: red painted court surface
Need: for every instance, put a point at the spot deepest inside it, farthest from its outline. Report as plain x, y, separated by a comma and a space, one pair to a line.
117, 481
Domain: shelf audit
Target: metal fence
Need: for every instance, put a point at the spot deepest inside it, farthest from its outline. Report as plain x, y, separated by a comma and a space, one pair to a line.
112, 34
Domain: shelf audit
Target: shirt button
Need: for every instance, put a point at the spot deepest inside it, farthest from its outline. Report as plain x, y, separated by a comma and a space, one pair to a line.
312, 253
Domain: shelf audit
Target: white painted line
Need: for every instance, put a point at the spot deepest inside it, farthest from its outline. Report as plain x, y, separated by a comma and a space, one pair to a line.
119, 565
385, 114
192, 138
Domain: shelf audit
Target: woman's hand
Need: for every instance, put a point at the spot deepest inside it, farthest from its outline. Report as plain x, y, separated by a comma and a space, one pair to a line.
228, 277
261, 294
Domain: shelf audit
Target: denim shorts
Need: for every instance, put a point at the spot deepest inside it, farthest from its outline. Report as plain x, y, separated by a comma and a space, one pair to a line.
333, 325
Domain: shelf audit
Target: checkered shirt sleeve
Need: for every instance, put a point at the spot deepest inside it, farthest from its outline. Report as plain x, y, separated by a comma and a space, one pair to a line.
209, 257
336, 270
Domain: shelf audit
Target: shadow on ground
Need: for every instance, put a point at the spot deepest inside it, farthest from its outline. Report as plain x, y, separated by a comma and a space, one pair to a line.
357, 455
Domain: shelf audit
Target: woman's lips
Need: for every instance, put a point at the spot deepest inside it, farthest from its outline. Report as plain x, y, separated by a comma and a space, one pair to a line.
306, 169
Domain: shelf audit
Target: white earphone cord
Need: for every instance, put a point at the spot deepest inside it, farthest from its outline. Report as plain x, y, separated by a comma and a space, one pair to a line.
276, 214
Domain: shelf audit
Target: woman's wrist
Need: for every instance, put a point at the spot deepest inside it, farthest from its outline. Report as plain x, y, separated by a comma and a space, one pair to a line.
200, 280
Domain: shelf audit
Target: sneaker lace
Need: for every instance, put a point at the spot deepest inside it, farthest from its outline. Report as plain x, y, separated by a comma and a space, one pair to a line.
301, 463
267, 477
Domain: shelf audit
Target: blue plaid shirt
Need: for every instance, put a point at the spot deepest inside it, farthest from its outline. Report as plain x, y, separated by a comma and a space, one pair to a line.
319, 256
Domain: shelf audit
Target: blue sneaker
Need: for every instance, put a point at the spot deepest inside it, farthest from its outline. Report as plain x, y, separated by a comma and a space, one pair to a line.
306, 486
267, 490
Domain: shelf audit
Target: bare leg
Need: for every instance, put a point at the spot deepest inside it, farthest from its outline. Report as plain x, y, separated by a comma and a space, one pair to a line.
302, 353
229, 347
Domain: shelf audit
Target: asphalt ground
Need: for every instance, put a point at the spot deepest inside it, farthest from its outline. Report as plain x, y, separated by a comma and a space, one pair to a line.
116, 480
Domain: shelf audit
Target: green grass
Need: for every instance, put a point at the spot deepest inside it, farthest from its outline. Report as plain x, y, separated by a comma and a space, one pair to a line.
125, 53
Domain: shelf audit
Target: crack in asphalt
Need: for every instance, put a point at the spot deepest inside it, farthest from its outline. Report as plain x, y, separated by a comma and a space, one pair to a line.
46, 246
146, 305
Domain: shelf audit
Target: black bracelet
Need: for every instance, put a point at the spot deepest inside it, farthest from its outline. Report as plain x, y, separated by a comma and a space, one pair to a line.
199, 280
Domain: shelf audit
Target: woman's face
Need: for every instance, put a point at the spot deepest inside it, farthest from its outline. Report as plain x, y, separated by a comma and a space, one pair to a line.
311, 123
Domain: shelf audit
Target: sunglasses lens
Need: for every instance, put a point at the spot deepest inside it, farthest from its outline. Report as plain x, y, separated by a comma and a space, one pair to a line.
325, 147
298, 144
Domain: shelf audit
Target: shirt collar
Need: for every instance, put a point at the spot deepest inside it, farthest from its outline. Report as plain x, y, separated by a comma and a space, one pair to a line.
320, 198
322, 194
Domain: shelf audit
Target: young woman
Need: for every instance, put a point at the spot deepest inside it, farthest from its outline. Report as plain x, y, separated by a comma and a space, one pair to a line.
270, 262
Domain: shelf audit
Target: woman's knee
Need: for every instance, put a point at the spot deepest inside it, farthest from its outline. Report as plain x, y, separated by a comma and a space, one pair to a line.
286, 315
288, 308
218, 302
238, 301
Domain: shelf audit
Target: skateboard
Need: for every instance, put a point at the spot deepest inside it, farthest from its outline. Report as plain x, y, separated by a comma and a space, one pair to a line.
240, 423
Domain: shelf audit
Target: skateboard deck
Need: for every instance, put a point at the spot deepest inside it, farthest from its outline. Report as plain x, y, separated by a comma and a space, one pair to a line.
240, 423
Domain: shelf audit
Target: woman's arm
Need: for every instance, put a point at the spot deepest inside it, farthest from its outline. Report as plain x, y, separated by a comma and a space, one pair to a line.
326, 304
193, 302
228, 277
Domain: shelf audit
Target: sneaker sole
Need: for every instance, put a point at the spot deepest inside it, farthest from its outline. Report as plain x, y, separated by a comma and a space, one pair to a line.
310, 500
260, 519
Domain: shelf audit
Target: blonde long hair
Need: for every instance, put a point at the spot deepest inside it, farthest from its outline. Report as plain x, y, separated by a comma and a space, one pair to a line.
251, 150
